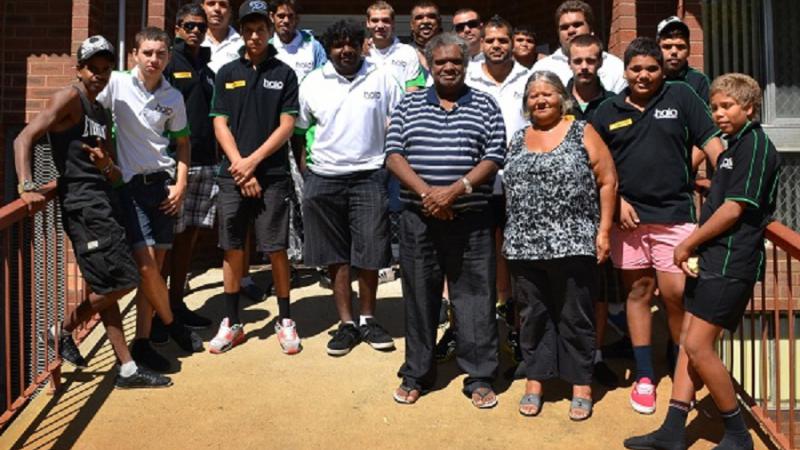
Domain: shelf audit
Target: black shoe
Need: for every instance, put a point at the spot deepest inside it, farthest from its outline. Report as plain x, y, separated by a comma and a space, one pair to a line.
146, 356
67, 349
655, 441
254, 293
343, 340
735, 442
376, 336
444, 311
186, 339
191, 319
445, 349
158, 332
516, 349
604, 375
142, 378
324, 279
511, 311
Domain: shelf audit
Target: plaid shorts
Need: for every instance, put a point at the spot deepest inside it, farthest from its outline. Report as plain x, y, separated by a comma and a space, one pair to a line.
199, 206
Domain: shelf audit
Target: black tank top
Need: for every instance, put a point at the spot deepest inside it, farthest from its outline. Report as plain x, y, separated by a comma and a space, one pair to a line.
80, 183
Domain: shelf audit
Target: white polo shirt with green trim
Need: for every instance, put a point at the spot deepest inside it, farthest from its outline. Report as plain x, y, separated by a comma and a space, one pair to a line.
401, 60
144, 122
507, 94
303, 54
224, 51
348, 119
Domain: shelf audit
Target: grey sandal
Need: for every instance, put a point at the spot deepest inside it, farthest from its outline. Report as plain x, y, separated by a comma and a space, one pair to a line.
531, 400
583, 404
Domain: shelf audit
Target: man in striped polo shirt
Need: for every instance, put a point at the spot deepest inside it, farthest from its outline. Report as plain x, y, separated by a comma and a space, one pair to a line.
445, 144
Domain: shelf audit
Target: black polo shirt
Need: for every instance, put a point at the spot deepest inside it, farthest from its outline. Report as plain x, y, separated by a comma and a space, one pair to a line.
195, 81
747, 172
652, 150
253, 99
696, 79
586, 112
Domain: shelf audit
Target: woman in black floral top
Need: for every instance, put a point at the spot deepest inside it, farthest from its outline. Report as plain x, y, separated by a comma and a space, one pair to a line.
560, 193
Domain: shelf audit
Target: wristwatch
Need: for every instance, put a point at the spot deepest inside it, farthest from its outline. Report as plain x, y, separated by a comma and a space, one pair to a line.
26, 186
467, 185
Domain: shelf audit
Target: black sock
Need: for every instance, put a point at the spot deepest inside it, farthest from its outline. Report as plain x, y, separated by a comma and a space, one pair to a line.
736, 435
675, 422
232, 308
284, 310
643, 354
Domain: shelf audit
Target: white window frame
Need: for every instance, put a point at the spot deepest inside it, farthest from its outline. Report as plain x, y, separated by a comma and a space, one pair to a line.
784, 131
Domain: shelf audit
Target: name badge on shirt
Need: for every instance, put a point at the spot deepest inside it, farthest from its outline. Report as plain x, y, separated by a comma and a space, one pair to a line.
236, 84
182, 75
621, 124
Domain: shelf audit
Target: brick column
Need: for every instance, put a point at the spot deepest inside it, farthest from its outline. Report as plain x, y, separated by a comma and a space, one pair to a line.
623, 26
156, 13
692, 15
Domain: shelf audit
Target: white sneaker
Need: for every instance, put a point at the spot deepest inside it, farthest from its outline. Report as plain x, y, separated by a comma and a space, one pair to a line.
286, 330
227, 337
386, 275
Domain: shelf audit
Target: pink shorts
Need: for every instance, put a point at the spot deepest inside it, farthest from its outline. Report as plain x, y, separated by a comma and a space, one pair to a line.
648, 246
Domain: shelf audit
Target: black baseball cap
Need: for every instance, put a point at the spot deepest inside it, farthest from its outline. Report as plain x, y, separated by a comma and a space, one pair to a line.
92, 46
251, 7
670, 23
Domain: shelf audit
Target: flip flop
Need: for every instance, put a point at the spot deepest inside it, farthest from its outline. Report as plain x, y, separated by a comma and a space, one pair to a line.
531, 400
404, 399
483, 392
584, 404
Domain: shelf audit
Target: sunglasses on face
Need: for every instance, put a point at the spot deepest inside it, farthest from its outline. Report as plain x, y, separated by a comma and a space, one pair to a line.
189, 26
474, 23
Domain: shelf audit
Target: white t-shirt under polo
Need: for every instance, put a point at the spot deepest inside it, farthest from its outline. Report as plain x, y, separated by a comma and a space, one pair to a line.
401, 60
508, 94
303, 54
144, 122
349, 118
224, 51
611, 73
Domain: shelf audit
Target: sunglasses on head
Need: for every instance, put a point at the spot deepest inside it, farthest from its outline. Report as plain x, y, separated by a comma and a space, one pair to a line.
474, 23
189, 26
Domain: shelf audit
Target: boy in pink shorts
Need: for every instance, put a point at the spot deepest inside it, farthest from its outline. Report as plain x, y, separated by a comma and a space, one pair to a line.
650, 129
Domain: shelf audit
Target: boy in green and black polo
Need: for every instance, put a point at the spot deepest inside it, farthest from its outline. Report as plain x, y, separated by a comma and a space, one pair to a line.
254, 109
650, 128
672, 36
730, 246
188, 72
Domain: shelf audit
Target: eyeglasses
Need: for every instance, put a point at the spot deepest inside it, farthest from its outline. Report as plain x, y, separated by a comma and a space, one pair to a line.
474, 23
189, 26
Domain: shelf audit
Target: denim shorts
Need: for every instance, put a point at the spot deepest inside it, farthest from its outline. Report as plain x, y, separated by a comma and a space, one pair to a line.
145, 224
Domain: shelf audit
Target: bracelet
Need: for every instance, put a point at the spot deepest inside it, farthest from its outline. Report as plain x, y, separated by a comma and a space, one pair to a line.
108, 168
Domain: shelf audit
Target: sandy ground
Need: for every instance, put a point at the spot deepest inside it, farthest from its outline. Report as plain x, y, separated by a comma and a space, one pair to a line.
256, 397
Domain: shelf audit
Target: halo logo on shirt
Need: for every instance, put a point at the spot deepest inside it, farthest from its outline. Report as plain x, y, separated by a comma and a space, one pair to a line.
374, 95
727, 163
274, 85
163, 109
669, 113
304, 65
400, 63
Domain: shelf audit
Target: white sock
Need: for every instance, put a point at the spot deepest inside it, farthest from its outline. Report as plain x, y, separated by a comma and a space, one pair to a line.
363, 320
246, 281
128, 369
598, 356
349, 322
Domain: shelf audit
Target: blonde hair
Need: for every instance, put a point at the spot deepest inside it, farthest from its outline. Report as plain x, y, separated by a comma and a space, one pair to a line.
381, 5
740, 87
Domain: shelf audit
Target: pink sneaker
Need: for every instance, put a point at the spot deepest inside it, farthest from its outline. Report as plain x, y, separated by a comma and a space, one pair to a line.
643, 396
286, 330
227, 337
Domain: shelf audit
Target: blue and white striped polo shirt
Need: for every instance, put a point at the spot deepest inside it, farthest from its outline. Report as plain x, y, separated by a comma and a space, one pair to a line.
442, 146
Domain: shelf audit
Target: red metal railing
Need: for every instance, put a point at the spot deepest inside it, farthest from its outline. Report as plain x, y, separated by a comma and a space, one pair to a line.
762, 354
40, 280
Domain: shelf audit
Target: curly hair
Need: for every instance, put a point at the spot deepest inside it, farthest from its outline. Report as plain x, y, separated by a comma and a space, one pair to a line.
341, 31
